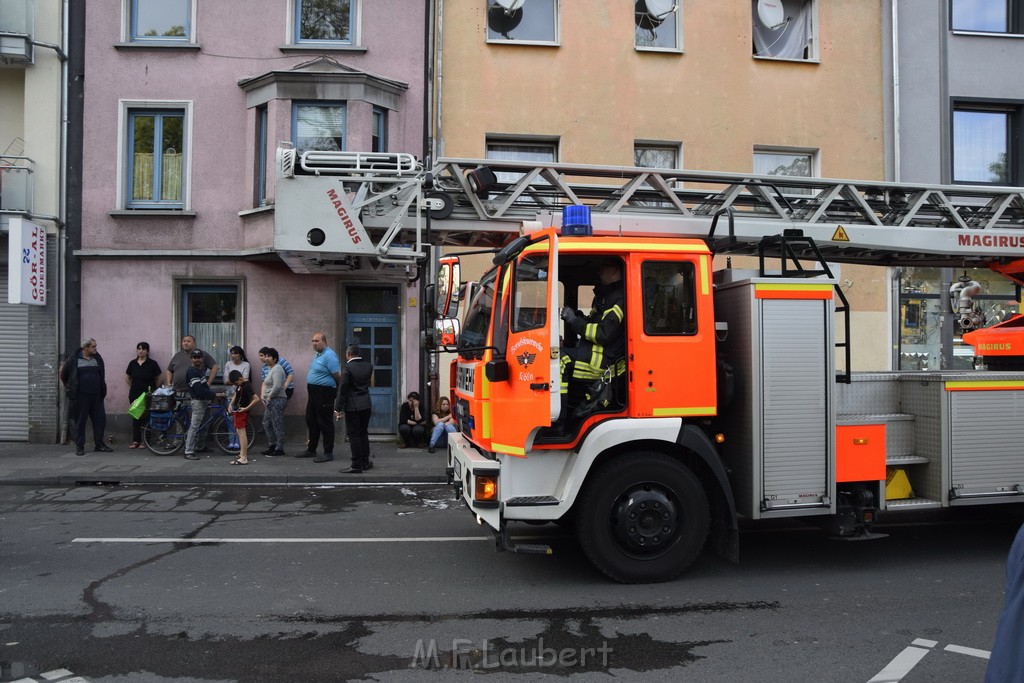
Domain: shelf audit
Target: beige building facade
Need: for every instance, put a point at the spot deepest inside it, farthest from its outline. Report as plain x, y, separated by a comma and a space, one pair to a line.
709, 86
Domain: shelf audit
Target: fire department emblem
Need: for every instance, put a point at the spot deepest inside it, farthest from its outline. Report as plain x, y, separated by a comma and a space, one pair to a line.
526, 358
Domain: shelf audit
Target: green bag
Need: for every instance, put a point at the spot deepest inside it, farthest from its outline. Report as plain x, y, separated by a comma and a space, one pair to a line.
138, 406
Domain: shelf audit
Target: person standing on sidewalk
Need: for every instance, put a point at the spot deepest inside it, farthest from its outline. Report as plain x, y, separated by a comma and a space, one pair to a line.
181, 363
242, 401
354, 400
1006, 662
322, 386
85, 383
289, 373
202, 394
275, 399
142, 374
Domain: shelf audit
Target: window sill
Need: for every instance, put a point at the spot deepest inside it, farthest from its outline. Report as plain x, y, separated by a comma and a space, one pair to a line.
143, 45
784, 59
151, 213
321, 47
663, 50
987, 34
524, 43
269, 208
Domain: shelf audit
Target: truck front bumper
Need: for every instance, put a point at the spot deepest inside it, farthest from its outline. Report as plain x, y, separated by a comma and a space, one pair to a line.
465, 466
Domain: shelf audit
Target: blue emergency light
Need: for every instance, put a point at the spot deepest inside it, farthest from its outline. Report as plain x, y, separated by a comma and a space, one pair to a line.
576, 220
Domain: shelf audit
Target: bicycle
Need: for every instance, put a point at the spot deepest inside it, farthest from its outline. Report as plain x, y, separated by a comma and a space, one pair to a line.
165, 433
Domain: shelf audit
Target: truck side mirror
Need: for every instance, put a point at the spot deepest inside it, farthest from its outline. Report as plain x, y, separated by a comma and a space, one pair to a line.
446, 334
449, 280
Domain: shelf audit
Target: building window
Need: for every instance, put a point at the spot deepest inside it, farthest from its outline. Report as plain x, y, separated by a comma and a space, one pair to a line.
657, 25
325, 21
646, 155
798, 164
982, 144
212, 314
988, 16
156, 170
319, 126
785, 29
260, 175
160, 20
379, 132
522, 21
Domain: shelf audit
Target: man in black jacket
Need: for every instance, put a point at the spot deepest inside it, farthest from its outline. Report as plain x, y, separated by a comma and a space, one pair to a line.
85, 383
354, 400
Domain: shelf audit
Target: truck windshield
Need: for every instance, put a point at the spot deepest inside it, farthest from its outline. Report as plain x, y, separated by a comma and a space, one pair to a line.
478, 318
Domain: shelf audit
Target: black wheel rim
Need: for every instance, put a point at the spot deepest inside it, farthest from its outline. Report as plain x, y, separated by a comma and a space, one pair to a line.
646, 520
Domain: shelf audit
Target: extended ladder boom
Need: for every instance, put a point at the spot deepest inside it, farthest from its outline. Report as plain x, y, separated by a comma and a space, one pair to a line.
475, 201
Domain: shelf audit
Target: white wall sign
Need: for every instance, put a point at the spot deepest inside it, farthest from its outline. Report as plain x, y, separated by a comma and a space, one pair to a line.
26, 267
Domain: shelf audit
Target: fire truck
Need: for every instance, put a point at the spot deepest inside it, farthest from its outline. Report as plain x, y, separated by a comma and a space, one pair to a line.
733, 397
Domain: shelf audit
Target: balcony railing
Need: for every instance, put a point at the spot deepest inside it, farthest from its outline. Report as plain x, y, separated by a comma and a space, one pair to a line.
16, 184
17, 26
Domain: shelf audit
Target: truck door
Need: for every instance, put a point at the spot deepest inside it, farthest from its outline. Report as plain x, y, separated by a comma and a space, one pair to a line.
529, 398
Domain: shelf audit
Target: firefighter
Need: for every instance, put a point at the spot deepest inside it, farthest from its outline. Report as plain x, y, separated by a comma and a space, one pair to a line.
602, 337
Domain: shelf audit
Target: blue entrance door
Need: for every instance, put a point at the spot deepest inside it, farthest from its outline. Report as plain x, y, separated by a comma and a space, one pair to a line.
376, 333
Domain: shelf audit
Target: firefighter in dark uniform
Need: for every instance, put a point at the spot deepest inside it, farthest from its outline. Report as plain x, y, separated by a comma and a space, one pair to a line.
602, 337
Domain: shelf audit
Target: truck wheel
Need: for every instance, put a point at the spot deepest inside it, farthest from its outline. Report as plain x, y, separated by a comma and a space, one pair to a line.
643, 518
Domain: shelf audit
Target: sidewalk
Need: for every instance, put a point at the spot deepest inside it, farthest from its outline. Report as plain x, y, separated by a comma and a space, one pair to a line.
58, 465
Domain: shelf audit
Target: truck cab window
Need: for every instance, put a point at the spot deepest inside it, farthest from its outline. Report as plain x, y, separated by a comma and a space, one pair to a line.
669, 301
531, 290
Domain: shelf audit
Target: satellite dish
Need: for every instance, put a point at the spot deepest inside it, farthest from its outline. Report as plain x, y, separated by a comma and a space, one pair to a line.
771, 13
649, 14
504, 16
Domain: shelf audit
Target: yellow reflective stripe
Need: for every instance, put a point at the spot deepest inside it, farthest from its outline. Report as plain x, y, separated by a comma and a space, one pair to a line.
987, 385
590, 332
485, 384
485, 418
617, 311
792, 287
591, 245
681, 412
511, 450
704, 279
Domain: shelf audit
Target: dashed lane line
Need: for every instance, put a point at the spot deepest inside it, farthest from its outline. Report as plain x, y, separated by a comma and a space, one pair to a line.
910, 656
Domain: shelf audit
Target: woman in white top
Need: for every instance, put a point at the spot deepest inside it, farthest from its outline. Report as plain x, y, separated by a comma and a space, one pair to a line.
238, 362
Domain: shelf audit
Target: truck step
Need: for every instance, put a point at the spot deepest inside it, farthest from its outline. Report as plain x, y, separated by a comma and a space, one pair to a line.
912, 503
528, 501
901, 460
873, 418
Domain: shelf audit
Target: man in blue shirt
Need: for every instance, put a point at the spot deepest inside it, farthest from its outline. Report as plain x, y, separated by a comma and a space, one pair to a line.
322, 387
1007, 661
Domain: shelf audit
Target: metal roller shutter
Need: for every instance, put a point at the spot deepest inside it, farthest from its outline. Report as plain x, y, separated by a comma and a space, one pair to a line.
13, 365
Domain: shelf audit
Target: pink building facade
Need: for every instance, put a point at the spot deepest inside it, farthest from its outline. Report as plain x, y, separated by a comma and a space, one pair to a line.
185, 104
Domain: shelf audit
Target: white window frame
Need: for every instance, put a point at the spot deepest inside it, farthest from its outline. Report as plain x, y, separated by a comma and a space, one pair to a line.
355, 39
126, 27
556, 6
124, 106
677, 151
813, 43
815, 170
677, 20
1014, 20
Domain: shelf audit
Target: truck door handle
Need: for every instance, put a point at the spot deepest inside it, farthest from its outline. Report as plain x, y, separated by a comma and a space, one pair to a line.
540, 387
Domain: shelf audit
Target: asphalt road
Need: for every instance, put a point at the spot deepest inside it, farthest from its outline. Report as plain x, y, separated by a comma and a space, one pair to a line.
399, 583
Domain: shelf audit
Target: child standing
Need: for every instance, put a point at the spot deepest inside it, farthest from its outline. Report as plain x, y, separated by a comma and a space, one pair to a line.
241, 403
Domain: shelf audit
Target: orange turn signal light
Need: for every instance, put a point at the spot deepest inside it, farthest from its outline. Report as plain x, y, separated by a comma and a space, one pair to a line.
486, 487
719, 438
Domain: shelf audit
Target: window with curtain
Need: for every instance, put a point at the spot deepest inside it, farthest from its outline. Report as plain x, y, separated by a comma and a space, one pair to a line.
981, 145
788, 32
657, 25
521, 150
536, 21
211, 314
156, 162
160, 20
324, 21
655, 156
319, 126
783, 163
989, 16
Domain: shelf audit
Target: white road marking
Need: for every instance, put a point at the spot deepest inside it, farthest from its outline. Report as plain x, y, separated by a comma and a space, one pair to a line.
55, 674
959, 649
198, 541
900, 665
924, 642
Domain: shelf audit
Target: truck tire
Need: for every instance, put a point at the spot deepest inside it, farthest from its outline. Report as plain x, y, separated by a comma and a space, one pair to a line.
643, 518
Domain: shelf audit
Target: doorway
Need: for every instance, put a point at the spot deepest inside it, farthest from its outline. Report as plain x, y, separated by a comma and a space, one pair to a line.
372, 323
